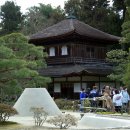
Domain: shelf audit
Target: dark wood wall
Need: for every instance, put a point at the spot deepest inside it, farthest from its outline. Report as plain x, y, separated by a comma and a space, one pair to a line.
88, 51
80, 50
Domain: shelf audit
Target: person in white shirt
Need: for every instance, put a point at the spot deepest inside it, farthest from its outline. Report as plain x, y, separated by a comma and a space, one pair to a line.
117, 101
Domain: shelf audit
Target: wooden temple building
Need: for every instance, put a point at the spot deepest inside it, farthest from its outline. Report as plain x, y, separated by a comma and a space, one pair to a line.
76, 57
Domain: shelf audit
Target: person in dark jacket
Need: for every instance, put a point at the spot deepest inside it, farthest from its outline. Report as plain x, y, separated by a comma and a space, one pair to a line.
93, 94
82, 96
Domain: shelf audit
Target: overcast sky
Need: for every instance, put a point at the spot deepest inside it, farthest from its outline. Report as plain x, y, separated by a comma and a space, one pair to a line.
28, 3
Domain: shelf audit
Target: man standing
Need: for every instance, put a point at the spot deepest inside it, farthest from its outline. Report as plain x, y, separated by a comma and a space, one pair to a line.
83, 95
93, 94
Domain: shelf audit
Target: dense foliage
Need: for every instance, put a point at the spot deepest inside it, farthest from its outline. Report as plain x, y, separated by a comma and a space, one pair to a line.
19, 62
121, 58
120, 7
126, 40
11, 18
6, 111
64, 104
97, 13
40, 17
74, 105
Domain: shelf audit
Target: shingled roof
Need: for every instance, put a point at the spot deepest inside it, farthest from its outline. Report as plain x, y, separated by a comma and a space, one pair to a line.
68, 70
69, 27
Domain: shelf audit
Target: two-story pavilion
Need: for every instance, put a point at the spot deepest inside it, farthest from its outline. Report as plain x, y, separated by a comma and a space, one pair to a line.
76, 57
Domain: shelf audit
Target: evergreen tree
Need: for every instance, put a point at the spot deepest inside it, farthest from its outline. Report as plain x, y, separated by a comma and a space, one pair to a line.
120, 58
96, 13
11, 17
40, 17
120, 7
126, 40
19, 62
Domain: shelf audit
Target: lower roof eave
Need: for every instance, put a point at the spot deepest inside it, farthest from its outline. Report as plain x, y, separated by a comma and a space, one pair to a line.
83, 73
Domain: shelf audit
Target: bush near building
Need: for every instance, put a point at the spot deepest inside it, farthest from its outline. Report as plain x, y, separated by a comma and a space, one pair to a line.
65, 104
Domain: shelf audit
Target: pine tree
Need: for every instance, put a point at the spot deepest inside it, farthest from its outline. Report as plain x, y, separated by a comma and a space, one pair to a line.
11, 17
126, 40
19, 62
120, 58
96, 13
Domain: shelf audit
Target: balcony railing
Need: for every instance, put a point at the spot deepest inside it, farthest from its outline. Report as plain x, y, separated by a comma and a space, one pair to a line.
75, 60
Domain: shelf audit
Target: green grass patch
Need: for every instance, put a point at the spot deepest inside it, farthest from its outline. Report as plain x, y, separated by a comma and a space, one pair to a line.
105, 113
8, 123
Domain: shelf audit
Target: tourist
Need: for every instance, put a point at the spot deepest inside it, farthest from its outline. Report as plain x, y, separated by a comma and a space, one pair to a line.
107, 90
125, 99
93, 94
108, 100
117, 101
121, 89
83, 96
112, 91
88, 91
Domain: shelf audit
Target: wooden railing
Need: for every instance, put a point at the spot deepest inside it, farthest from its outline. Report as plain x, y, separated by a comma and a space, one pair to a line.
81, 60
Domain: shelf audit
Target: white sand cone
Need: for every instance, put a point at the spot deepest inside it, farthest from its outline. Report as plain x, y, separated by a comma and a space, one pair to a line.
36, 97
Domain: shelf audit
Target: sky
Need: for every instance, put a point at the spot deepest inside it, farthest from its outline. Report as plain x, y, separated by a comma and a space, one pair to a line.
29, 3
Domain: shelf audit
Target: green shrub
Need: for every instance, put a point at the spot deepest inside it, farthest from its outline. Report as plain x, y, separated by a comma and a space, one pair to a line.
87, 103
6, 111
64, 104
68, 104
71, 104
60, 103
76, 105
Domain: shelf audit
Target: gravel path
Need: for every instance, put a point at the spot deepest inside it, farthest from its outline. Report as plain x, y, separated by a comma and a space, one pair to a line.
27, 123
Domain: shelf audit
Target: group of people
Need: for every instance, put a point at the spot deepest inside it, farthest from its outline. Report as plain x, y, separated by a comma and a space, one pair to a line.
115, 99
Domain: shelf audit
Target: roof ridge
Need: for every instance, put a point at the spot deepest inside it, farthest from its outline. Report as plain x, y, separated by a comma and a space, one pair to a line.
72, 25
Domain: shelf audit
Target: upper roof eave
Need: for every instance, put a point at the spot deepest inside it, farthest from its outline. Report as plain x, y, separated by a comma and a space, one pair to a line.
64, 36
52, 37
67, 27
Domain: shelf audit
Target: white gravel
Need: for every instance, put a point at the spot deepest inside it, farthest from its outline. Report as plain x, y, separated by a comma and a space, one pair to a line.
88, 122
